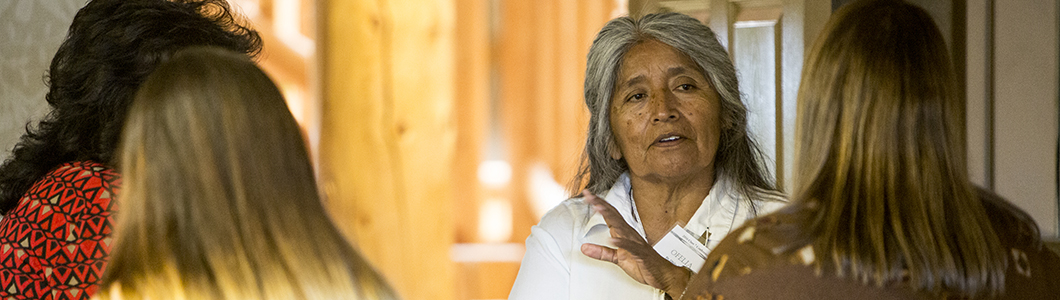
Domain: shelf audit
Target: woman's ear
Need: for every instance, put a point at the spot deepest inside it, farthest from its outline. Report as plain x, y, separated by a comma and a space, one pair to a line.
612, 149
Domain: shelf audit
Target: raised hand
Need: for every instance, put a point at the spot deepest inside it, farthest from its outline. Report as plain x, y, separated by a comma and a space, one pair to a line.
634, 255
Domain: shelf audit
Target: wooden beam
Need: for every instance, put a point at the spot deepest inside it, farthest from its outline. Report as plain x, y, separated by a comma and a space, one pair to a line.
472, 88
388, 135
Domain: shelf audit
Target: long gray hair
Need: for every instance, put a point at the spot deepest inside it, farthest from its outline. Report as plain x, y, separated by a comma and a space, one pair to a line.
738, 156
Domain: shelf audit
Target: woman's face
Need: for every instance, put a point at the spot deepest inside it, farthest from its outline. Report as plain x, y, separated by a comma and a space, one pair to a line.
664, 114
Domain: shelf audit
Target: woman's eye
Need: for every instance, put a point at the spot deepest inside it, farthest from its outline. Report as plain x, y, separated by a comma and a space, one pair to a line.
685, 87
636, 97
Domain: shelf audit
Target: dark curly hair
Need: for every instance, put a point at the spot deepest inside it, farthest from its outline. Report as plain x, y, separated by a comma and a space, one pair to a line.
109, 50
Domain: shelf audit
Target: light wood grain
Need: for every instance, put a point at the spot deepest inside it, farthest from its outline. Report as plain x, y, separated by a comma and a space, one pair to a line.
388, 135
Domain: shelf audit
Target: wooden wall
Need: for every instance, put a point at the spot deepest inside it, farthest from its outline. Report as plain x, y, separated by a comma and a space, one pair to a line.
519, 75
401, 99
388, 134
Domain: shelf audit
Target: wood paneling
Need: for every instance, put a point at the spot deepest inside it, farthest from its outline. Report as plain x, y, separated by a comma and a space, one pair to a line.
541, 48
472, 87
519, 75
516, 65
408, 89
486, 280
388, 135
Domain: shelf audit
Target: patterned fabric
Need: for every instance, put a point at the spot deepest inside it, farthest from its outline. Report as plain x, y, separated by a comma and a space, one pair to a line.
773, 259
55, 243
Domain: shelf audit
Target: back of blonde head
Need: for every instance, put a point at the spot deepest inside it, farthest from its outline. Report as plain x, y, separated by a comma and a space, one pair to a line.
880, 157
219, 198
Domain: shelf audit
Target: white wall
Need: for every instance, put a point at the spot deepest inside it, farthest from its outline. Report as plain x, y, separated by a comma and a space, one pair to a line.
800, 22
1013, 88
1025, 112
30, 31
754, 54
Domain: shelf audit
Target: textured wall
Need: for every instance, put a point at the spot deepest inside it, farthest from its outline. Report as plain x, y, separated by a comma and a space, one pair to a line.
1025, 108
30, 32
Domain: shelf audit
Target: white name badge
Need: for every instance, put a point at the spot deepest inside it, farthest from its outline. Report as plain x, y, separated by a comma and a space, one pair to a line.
682, 249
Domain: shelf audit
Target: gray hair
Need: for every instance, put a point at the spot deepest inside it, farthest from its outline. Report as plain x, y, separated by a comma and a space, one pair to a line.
738, 156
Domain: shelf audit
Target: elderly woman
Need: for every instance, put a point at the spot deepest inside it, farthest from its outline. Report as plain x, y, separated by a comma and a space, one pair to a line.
882, 207
667, 146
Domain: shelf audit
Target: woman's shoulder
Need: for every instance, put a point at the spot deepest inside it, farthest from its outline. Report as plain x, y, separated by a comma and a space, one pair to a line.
774, 257
794, 280
767, 201
774, 239
749, 249
82, 175
568, 215
96, 181
1014, 226
81, 169
1033, 269
766, 195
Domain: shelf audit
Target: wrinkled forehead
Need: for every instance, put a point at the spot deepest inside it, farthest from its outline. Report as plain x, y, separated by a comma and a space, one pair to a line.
650, 57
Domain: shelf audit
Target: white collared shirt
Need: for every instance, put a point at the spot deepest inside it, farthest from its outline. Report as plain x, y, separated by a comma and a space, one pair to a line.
554, 267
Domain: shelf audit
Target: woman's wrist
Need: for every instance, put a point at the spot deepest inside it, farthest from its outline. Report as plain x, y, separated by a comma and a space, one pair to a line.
677, 282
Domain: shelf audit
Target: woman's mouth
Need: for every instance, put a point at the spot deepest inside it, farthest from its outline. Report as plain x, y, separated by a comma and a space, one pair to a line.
668, 139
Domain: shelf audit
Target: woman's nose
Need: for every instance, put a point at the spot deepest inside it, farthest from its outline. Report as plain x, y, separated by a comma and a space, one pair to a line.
664, 109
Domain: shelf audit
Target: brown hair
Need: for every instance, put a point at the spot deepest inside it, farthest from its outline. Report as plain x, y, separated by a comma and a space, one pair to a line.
219, 198
881, 161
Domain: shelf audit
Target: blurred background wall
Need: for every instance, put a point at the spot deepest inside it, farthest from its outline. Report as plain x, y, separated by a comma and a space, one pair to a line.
30, 33
443, 129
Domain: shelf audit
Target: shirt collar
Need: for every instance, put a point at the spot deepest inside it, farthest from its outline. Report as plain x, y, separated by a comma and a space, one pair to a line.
619, 198
717, 214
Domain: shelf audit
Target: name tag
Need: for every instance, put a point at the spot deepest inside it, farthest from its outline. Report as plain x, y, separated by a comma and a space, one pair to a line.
682, 249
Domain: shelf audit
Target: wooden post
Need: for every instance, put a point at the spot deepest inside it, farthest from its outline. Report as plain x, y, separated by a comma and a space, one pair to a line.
472, 88
388, 134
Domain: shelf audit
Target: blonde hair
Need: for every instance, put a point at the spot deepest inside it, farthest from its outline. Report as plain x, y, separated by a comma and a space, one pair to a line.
219, 199
880, 157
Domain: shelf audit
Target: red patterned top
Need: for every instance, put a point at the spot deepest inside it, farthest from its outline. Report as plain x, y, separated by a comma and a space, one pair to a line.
55, 243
